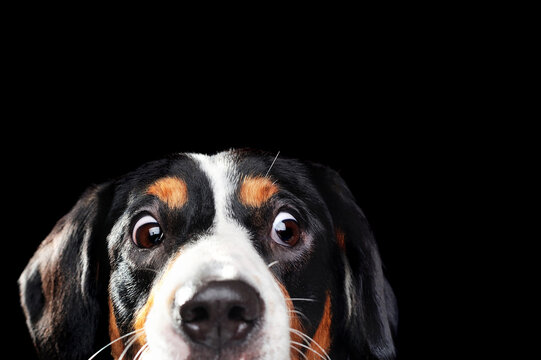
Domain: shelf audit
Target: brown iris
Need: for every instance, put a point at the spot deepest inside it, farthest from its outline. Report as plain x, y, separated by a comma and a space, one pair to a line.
147, 232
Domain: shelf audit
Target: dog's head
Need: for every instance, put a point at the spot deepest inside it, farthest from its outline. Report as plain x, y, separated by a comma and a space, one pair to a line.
231, 256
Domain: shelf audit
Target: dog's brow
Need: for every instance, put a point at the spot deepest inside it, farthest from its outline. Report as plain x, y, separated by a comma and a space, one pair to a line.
171, 190
255, 191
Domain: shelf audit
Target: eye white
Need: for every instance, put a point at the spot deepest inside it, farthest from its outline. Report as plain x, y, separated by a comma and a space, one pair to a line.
278, 223
142, 221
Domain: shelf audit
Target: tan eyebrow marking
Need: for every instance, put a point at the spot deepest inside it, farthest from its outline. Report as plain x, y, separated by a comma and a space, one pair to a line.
171, 190
255, 191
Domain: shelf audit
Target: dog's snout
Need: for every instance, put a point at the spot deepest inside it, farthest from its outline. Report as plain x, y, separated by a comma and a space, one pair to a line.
221, 313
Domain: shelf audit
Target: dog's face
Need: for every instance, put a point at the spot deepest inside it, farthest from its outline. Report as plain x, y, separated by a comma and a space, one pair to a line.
231, 256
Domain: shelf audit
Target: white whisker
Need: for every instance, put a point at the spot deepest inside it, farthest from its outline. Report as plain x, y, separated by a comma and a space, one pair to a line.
309, 348
301, 299
273, 263
301, 314
309, 341
130, 343
140, 352
114, 341
297, 350
273, 161
147, 349
303, 336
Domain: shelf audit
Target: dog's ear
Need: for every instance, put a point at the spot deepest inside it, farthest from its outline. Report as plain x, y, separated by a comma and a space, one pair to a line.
60, 287
370, 302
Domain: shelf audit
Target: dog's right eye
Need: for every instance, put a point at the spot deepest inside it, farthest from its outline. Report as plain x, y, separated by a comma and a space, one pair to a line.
147, 232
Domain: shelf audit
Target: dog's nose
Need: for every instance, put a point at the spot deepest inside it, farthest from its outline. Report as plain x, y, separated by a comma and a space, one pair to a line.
221, 313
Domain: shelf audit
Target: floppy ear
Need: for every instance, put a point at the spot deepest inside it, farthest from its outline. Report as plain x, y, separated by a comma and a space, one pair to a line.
59, 288
372, 312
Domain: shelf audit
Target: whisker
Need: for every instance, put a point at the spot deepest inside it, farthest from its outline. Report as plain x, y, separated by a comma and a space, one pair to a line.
301, 314
297, 350
149, 269
273, 263
309, 348
141, 351
308, 338
145, 351
302, 299
302, 335
130, 343
114, 341
273, 161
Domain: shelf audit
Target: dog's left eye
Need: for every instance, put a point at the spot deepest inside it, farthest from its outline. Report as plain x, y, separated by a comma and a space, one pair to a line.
147, 232
285, 229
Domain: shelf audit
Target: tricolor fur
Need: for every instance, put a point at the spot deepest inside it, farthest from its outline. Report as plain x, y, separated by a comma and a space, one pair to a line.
89, 287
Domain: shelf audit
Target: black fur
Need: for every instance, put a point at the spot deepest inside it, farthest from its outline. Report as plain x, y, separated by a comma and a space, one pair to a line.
61, 288
372, 329
66, 286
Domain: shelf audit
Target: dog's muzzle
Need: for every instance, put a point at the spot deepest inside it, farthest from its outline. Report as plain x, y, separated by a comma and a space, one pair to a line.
218, 299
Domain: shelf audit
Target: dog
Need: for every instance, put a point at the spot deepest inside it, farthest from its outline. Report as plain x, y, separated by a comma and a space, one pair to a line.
237, 255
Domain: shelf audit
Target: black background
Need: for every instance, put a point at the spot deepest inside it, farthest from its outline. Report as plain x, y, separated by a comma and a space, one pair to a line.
390, 110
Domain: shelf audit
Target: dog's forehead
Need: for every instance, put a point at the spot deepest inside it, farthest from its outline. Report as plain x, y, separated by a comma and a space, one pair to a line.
222, 176
233, 178
197, 183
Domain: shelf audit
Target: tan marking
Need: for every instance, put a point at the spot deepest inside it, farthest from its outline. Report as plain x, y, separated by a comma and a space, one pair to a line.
255, 191
323, 333
341, 239
142, 314
171, 190
294, 322
118, 346
141, 318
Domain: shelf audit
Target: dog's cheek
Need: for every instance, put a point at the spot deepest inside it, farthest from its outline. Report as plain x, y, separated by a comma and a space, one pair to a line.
117, 347
322, 338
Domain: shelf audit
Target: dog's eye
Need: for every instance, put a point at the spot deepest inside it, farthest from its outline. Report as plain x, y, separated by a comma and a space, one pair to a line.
285, 229
147, 232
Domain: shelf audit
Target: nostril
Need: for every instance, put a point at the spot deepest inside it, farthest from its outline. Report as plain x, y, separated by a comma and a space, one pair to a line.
196, 322
194, 314
238, 325
237, 313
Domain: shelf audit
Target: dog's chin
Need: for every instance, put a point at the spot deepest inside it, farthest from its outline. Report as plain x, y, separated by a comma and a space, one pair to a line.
168, 345
155, 353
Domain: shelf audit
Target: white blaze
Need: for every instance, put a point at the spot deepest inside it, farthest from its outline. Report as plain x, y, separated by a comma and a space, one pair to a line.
226, 253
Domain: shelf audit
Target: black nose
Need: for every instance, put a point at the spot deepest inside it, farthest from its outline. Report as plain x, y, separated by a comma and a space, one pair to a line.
221, 313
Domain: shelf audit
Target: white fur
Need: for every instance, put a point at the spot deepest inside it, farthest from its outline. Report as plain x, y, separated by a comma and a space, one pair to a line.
348, 286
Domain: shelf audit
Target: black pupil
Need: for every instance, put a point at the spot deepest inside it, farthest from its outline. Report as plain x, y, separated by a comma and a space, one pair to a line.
285, 230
